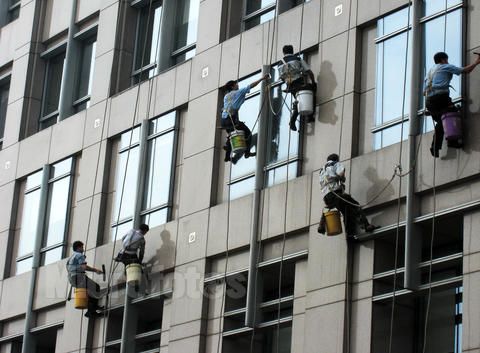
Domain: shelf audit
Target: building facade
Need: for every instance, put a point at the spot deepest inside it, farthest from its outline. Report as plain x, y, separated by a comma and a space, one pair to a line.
109, 117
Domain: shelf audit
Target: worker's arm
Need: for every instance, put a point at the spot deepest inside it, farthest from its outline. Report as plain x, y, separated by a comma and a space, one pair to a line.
141, 252
312, 77
254, 83
91, 269
469, 68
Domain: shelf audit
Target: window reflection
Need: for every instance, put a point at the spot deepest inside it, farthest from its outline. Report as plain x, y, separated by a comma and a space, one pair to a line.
55, 221
442, 32
281, 143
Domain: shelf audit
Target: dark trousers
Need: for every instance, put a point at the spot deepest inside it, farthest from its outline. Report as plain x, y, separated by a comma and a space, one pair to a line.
239, 125
351, 214
128, 259
294, 88
93, 290
438, 105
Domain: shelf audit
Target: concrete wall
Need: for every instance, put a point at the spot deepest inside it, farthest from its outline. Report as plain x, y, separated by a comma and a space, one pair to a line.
339, 49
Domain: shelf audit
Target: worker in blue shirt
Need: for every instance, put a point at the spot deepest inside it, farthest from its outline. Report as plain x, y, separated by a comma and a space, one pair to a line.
230, 121
76, 267
437, 92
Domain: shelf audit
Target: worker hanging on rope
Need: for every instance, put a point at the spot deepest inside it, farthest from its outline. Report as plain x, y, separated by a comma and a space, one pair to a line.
438, 101
133, 246
233, 100
296, 73
76, 267
332, 182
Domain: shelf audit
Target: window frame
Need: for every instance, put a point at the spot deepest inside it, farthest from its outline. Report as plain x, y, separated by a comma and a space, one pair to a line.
85, 38
375, 129
144, 138
12, 14
270, 166
53, 53
4, 87
38, 187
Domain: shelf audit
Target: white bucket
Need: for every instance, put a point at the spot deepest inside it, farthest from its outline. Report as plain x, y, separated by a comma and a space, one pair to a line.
134, 274
305, 102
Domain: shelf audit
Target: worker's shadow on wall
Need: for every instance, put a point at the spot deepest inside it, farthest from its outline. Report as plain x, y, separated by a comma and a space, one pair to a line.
327, 82
375, 191
164, 256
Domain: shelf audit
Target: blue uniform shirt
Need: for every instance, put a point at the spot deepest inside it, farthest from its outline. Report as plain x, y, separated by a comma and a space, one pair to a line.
233, 101
440, 76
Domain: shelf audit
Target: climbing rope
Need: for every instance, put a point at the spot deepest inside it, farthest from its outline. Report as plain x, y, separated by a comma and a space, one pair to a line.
112, 267
434, 190
397, 231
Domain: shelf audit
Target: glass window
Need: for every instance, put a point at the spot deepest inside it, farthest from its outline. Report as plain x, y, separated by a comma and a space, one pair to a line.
51, 92
85, 74
4, 90
441, 32
147, 43
157, 180
282, 146
261, 11
159, 170
265, 339
445, 314
125, 181
13, 10
186, 29
56, 215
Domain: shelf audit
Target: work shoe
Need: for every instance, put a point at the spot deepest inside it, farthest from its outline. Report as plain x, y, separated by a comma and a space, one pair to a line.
370, 228
236, 157
321, 229
292, 126
250, 154
435, 153
227, 158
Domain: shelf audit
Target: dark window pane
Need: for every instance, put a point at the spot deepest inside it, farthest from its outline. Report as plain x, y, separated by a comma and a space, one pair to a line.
53, 78
4, 90
252, 22
254, 5
86, 69
148, 35
186, 23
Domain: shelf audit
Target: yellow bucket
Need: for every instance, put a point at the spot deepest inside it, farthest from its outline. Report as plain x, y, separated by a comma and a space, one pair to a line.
238, 142
333, 223
134, 274
80, 298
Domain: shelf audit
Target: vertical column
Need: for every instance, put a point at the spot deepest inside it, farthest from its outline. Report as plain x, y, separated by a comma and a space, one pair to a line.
257, 193
413, 243
28, 338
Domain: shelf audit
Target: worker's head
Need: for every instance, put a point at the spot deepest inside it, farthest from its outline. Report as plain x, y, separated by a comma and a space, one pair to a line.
440, 58
231, 85
77, 246
333, 157
287, 49
144, 228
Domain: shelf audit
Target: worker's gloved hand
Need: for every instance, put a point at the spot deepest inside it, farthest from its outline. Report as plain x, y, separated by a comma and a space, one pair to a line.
98, 271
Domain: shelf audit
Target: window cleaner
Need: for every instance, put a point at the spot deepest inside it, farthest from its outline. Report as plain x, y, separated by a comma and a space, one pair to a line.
439, 103
87, 292
332, 179
131, 255
239, 139
295, 72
